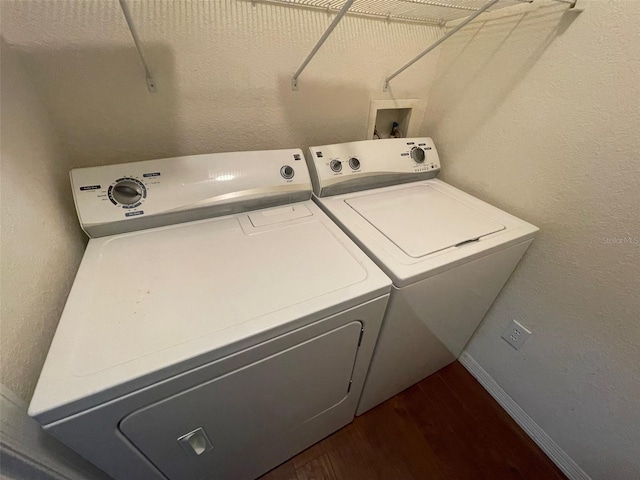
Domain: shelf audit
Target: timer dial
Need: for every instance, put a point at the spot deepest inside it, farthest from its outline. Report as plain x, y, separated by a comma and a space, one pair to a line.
127, 191
418, 155
287, 172
336, 165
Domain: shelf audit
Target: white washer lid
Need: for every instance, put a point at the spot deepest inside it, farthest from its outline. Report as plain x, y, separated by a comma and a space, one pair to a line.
421, 220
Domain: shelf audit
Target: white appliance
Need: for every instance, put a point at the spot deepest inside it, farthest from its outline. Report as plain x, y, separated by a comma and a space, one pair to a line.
215, 348
448, 253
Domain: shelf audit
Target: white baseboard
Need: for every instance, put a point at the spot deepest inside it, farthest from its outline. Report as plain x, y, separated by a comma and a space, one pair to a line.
531, 428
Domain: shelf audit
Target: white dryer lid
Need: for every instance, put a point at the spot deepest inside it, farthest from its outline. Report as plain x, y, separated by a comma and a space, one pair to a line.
149, 304
421, 220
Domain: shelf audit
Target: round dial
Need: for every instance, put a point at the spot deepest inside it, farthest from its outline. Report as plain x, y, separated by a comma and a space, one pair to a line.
336, 165
127, 192
418, 155
287, 172
354, 163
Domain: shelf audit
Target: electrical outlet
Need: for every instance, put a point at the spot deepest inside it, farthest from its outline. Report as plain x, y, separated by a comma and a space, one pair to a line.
516, 334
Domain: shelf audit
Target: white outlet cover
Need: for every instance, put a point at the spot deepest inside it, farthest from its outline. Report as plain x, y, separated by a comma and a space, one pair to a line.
515, 334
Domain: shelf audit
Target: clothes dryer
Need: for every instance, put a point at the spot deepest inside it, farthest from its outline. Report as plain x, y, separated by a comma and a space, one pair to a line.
219, 322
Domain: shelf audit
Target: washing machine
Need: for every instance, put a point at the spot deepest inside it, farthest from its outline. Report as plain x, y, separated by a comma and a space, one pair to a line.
449, 254
219, 322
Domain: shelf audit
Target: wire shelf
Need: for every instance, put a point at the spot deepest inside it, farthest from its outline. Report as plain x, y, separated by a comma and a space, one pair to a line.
423, 11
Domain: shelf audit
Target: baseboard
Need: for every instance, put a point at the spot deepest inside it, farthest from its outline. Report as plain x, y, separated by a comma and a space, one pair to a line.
531, 428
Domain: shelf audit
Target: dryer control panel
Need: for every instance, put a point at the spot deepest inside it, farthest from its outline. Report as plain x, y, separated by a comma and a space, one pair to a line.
350, 167
133, 196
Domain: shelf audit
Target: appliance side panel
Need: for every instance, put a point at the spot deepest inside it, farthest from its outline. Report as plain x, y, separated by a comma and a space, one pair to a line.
429, 322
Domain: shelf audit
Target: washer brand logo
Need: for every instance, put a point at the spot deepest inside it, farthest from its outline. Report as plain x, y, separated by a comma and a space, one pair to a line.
296, 157
133, 214
153, 174
90, 187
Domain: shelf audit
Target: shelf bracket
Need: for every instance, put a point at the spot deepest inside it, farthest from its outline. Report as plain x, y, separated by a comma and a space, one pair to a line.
571, 3
151, 83
325, 35
450, 33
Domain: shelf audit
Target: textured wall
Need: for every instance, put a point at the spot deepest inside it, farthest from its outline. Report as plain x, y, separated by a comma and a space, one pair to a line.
41, 244
539, 114
223, 69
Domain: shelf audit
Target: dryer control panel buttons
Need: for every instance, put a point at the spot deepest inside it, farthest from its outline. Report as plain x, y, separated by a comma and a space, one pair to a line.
354, 163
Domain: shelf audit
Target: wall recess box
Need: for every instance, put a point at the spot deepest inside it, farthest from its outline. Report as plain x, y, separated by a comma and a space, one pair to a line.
382, 113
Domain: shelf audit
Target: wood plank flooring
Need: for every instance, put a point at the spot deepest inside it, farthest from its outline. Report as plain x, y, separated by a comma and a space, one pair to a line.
445, 427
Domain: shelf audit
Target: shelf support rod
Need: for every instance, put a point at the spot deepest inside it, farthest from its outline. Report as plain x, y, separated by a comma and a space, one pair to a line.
151, 83
325, 35
450, 33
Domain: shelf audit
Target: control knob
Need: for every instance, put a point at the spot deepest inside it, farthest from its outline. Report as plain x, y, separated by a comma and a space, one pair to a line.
354, 163
336, 165
287, 172
127, 192
418, 155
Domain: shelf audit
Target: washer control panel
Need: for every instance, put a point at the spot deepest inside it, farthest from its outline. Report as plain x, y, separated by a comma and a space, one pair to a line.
132, 196
354, 166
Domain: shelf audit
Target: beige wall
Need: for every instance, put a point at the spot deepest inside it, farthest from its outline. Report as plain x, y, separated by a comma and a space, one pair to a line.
223, 69
40, 242
539, 114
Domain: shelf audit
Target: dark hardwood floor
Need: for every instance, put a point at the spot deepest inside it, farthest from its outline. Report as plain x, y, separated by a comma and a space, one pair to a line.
445, 427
